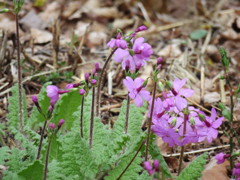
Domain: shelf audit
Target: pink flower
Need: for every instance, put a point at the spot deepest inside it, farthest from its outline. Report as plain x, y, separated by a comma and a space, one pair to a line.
142, 51
156, 165
35, 99
210, 125
177, 93
148, 167
118, 42
93, 81
136, 90
220, 157
81, 91
52, 126
141, 28
52, 93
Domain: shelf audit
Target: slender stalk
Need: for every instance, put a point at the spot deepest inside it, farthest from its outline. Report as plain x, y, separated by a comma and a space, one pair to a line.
46, 160
100, 82
41, 140
182, 148
19, 76
127, 114
150, 120
231, 121
138, 150
81, 118
92, 118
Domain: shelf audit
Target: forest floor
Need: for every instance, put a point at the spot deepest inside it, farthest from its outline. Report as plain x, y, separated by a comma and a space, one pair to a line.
187, 34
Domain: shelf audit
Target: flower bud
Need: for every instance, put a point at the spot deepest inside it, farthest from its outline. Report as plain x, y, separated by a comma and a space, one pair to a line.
141, 28
159, 60
97, 67
35, 99
69, 86
87, 76
52, 126
82, 91
156, 165
61, 122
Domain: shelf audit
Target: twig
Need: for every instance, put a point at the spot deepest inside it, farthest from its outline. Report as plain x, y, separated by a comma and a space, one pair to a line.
197, 151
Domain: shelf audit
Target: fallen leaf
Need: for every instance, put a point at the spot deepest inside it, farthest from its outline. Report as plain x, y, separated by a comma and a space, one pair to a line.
41, 36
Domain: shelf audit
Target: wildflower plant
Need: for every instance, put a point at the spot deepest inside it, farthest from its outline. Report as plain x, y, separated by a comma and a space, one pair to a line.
73, 142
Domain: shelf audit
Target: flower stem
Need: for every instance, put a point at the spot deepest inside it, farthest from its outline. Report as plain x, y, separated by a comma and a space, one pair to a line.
81, 118
127, 114
19, 75
182, 148
92, 118
150, 120
138, 150
100, 82
231, 120
41, 140
46, 160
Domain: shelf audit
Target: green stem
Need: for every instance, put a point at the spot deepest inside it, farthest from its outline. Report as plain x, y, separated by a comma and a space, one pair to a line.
19, 75
138, 150
127, 114
46, 160
150, 120
100, 82
81, 118
41, 140
182, 148
92, 118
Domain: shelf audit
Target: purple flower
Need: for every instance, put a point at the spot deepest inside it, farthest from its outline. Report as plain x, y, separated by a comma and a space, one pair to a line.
177, 92
136, 90
118, 42
220, 157
81, 91
52, 93
236, 172
141, 28
142, 51
148, 167
158, 110
52, 126
93, 81
210, 125
61, 122
167, 133
35, 99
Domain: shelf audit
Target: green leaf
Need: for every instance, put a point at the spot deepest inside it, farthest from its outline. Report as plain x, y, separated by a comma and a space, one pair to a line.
4, 153
225, 59
156, 154
4, 10
227, 114
13, 109
68, 104
194, 170
33, 171
198, 34
55, 171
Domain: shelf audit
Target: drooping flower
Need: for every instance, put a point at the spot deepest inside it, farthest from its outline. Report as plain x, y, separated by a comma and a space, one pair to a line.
118, 42
52, 93
210, 125
136, 90
220, 157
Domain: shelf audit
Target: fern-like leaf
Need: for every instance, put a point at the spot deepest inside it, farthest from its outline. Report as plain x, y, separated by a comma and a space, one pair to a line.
194, 170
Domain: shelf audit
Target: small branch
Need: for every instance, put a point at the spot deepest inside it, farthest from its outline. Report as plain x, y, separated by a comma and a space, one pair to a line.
127, 114
131, 161
100, 81
92, 118
150, 120
55, 43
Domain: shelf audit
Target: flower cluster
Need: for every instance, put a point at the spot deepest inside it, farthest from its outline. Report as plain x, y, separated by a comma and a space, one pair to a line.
236, 171
132, 53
